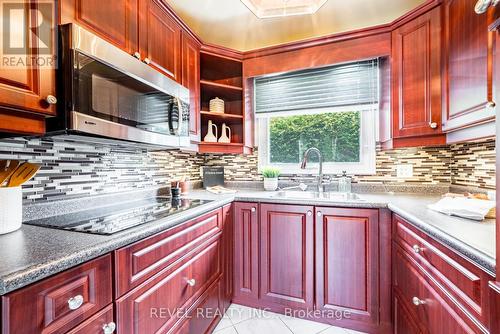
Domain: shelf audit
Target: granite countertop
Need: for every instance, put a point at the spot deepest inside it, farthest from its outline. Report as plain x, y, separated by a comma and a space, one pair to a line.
33, 253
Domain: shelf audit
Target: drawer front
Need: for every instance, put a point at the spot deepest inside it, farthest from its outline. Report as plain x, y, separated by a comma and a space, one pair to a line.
156, 305
423, 300
141, 260
204, 316
97, 323
61, 302
460, 279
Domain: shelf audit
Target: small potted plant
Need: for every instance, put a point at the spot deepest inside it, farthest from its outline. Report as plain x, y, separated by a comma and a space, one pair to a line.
270, 175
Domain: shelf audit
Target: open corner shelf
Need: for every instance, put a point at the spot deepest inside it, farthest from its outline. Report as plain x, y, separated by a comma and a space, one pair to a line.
222, 77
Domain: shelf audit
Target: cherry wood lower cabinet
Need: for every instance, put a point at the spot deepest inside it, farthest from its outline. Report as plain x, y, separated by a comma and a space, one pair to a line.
287, 255
279, 249
61, 302
442, 292
246, 252
226, 289
347, 266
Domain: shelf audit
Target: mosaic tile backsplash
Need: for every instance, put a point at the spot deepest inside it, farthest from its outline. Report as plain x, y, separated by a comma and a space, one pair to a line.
73, 169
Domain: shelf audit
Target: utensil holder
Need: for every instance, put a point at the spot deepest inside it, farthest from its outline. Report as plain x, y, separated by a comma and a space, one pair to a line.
11, 209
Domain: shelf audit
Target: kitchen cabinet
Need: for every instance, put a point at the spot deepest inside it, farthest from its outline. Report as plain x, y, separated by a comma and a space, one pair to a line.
159, 304
191, 80
441, 290
227, 256
27, 93
114, 21
347, 263
287, 255
246, 258
61, 302
467, 67
404, 322
416, 81
159, 39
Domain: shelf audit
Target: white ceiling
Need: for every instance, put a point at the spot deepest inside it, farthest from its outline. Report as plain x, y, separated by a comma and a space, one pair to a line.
231, 24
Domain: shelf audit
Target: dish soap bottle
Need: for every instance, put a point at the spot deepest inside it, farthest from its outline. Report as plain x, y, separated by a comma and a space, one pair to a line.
344, 183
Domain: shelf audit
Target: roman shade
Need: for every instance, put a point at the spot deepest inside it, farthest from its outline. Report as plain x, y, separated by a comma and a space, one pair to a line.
351, 84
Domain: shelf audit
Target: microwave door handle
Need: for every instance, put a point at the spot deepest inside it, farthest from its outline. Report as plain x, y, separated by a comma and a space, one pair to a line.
180, 116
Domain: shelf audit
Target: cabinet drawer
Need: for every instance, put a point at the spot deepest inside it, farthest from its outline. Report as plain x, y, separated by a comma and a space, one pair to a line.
61, 302
96, 323
459, 278
143, 259
156, 305
423, 300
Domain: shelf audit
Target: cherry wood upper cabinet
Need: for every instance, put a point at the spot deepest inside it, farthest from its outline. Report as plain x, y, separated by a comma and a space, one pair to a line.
347, 265
287, 255
159, 38
191, 80
467, 68
26, 87
115, 21
246, 258
416, 80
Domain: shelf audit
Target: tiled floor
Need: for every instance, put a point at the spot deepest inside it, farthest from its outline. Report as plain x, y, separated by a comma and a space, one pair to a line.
245, 320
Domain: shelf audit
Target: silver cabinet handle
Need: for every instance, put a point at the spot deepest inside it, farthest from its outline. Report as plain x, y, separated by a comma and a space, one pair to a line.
51, 99
253, 209
417, 301
109, 328
417, 249
137, 55
309, 213
483, 5
319, 214
491, 104
147, 60
433, 125
191, 282
75, 302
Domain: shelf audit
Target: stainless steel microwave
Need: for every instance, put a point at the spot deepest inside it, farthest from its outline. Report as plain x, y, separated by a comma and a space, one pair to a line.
108, 93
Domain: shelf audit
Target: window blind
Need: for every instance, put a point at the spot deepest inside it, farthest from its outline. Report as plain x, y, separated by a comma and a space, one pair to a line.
334, 86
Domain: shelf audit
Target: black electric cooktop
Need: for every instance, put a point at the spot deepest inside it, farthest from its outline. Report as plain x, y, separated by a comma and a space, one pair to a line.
115, 218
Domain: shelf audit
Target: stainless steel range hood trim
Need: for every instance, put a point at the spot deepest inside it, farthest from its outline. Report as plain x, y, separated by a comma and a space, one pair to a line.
99, 127
99, 49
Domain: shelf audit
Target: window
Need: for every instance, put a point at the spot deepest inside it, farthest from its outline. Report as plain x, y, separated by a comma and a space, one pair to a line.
333, 109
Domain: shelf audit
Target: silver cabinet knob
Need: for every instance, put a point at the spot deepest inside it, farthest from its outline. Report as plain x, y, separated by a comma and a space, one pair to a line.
137, 55
253, 209
319, 214
491, 104
51, 99
309, 213
417, 301
191, 282
433, 125
75, 302
109, 328
417, 249
147, 60
483, 5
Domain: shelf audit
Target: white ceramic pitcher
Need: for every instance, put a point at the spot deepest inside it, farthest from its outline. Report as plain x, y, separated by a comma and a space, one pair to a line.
211, 137
226, 134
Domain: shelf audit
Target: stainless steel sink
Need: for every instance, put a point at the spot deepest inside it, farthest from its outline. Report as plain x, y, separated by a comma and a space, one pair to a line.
326, 196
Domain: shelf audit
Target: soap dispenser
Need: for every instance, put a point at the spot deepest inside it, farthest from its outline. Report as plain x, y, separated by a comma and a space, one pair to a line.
345, 183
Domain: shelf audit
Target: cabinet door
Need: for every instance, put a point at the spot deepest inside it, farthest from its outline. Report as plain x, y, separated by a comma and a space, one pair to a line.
115, 21
467, 69
159, 38
191, 80
227, 256
287, 255
416, 67
347, 257
246, 252
27, 86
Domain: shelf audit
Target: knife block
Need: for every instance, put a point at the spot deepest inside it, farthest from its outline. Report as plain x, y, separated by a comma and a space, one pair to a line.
11, 209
